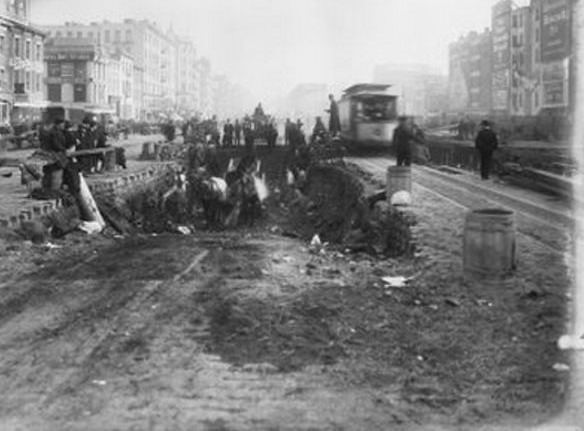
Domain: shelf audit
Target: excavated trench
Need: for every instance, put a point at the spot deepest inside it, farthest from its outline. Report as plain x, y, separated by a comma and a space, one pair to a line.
332, 201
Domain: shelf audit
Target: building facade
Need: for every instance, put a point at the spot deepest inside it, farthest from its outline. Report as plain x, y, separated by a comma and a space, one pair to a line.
77, 74
470, 73
21, 64
417, 85
186, 77
152, 50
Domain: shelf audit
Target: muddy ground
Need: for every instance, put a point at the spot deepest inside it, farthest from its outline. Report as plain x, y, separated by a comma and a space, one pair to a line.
253, 330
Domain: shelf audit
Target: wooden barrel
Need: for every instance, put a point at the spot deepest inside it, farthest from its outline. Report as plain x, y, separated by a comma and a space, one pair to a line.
489, 246
53, 179
399, 178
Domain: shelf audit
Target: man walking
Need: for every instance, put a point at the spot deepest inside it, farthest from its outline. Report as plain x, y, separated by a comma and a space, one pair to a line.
402, 136
486, 143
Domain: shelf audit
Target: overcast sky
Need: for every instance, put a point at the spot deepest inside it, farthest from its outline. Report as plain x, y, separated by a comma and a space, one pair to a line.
268, 46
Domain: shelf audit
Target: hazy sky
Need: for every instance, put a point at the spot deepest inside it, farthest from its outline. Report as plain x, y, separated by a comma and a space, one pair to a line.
270, 45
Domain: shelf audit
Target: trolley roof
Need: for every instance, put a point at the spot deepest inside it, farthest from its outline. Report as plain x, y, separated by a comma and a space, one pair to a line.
368, 89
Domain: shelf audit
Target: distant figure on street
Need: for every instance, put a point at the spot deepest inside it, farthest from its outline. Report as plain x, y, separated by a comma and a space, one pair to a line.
486, 143
228, 134
402, 137
287, 131
237, 132
318, 132
334, 120
259, 111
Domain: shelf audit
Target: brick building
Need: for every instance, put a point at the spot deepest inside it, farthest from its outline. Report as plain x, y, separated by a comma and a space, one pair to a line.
21, 64
470, 73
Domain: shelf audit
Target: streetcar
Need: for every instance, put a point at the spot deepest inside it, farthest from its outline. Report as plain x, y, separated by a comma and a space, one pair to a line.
368, 116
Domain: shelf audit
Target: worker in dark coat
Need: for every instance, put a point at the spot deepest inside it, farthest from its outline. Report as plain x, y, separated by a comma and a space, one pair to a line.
58, 144
334, 119
402, 137
486, 143
237, 133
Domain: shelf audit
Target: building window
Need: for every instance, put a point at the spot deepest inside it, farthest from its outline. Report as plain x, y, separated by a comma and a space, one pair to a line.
54, 92
80, 93
536, 99
39, 51
514, 21
2, 43
2, 78
80, 70
17, 47
27, 52
70, 34
37, 82
79, 34
128, 35
90, 35
54, 69
107, 36
537, 34
67, 70
118, 36
28, 81
58, 34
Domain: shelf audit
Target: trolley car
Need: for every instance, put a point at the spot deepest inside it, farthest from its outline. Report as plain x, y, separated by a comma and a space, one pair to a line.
368, 116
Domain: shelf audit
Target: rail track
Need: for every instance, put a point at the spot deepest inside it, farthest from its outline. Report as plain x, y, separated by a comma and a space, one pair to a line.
547, 220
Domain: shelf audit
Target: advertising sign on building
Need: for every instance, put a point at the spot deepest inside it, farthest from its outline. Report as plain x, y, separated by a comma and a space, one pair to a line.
555, 30
555, 84
69, 56
501, 34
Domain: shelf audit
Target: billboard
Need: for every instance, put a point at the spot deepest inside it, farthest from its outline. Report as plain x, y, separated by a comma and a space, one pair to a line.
555, 30
555, 84
501, 36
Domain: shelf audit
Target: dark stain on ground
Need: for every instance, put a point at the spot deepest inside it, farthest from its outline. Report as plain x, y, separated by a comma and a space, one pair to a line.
288, 336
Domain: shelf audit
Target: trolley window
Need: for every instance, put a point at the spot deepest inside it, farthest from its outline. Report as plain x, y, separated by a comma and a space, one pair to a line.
376, 108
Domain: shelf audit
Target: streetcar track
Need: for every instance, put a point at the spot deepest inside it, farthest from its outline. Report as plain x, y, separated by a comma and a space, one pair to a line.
459, 186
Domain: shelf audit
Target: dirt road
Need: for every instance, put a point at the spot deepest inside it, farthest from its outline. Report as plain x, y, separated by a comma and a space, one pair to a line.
250, 330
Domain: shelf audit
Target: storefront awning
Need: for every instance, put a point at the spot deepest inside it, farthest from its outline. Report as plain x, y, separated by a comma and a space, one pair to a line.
39, 105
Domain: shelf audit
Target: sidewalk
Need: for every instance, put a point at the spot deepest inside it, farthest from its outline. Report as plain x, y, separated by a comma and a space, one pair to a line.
16, 206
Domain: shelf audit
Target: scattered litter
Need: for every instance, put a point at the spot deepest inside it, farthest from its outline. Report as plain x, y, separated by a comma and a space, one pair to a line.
263, 368
265, 272
433, 307
571, 342
275, 229
561, 367
420, 358
99, 382
401, 198
288, 259
417, 302
51, 246
395, 281
91, 227
452, 301
315, 242
483, 302
183, 230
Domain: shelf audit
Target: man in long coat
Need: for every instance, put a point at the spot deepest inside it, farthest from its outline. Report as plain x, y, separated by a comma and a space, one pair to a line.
486, 143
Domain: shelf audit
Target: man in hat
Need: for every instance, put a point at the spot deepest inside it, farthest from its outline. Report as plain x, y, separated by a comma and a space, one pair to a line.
486, 143
402, 137
334, 119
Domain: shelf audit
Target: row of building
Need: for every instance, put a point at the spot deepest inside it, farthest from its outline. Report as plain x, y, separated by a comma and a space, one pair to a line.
523, 66
132, 69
